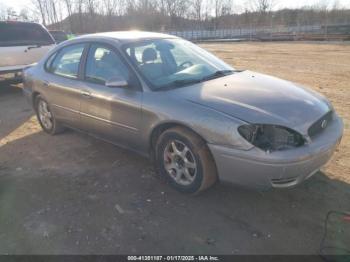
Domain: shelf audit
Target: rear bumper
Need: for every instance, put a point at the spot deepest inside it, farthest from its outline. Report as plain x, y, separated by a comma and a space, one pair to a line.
280, 169
12, 69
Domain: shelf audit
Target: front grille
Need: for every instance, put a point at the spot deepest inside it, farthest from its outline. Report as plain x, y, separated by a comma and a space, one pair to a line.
320, 124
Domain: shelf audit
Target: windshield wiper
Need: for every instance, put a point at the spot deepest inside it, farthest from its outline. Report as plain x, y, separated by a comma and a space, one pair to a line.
217, 74
184, 82
180, 83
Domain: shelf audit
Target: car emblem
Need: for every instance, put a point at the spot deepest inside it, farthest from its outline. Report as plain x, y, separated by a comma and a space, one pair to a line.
324, 124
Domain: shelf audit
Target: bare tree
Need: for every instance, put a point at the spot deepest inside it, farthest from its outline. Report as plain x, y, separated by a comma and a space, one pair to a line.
175, 9
216, 6
11, 13
3, 12
53, 8
24, 15
226, 7
112, 7
92, 6
85, 16
39, 4
79, 10
264, 6
198, 9
323, 7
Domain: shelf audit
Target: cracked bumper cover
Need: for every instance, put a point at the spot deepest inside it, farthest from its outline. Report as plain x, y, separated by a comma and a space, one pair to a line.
258, 169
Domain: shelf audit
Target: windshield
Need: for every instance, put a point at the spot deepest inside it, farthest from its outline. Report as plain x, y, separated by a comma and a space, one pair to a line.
21, 34
169, 63
59, 36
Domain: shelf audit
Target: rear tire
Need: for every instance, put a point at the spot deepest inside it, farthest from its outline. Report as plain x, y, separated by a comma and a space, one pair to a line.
183, 158
45, 117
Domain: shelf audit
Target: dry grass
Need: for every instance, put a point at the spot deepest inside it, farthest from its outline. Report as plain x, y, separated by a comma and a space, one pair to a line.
325, 67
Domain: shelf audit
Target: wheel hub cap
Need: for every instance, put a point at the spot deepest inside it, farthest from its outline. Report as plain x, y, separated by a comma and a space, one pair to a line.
180, 163
45, 114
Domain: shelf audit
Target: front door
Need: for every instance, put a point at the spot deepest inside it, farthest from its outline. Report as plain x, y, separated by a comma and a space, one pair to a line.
112, 113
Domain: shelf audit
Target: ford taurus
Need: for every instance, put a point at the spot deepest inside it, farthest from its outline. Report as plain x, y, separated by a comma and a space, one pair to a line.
199, 119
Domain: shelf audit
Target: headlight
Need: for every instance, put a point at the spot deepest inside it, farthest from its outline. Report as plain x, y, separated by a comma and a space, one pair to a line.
270, 137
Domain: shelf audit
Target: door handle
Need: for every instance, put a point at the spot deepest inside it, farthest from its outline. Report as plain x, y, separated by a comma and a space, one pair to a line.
86, 94
46, 84
31, 47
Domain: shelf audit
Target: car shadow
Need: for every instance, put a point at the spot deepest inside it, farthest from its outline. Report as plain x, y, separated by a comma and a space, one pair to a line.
73, 194
14, 109
9, 87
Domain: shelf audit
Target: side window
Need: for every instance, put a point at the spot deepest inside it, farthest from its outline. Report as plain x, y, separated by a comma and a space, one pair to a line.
66, 62
103, 64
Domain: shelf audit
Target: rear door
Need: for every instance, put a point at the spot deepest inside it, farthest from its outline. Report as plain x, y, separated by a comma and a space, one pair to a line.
61, 83
23, 43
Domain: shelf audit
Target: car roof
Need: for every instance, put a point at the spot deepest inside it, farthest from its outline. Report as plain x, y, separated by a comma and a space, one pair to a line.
126, 36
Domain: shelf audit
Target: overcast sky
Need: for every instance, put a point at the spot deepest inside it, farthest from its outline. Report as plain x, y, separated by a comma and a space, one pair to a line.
19, 4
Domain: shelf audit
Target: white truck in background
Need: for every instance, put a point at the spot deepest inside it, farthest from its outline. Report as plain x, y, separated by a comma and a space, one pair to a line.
22, 44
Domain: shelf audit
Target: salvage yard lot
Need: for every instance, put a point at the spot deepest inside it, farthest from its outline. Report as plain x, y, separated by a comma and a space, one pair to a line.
73, 194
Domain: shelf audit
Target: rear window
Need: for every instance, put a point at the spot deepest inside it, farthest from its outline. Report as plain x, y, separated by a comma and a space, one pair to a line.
17, 34
59, 36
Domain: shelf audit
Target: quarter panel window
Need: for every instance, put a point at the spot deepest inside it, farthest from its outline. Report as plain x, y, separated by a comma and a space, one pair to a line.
23, 34
67, 62
49, 61
103, 64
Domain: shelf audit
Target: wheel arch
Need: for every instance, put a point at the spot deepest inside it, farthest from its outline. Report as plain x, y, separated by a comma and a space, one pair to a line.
162, 127
34, 96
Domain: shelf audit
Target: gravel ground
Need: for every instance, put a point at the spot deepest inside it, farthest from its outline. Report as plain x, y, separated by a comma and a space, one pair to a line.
73, 194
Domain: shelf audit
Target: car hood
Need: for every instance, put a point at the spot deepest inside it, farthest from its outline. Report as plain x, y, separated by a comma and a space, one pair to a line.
259, 98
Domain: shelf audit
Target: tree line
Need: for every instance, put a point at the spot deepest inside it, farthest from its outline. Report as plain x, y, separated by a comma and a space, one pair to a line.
87, 16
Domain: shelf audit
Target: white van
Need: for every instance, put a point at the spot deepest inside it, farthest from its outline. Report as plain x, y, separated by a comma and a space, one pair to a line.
22, 44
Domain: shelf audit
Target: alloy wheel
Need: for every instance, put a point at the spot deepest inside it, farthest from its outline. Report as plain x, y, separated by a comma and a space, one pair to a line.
45, 115
180, 163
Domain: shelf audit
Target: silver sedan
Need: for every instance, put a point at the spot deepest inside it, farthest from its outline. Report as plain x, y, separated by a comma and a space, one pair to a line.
197, 118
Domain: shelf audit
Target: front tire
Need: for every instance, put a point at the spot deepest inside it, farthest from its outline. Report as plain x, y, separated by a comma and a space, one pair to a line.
45, 117
183, 158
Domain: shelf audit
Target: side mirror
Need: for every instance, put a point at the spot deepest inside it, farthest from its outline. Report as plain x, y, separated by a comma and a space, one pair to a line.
116, 81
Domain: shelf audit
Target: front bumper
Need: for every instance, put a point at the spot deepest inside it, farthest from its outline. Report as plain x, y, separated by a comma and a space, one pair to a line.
258, 169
